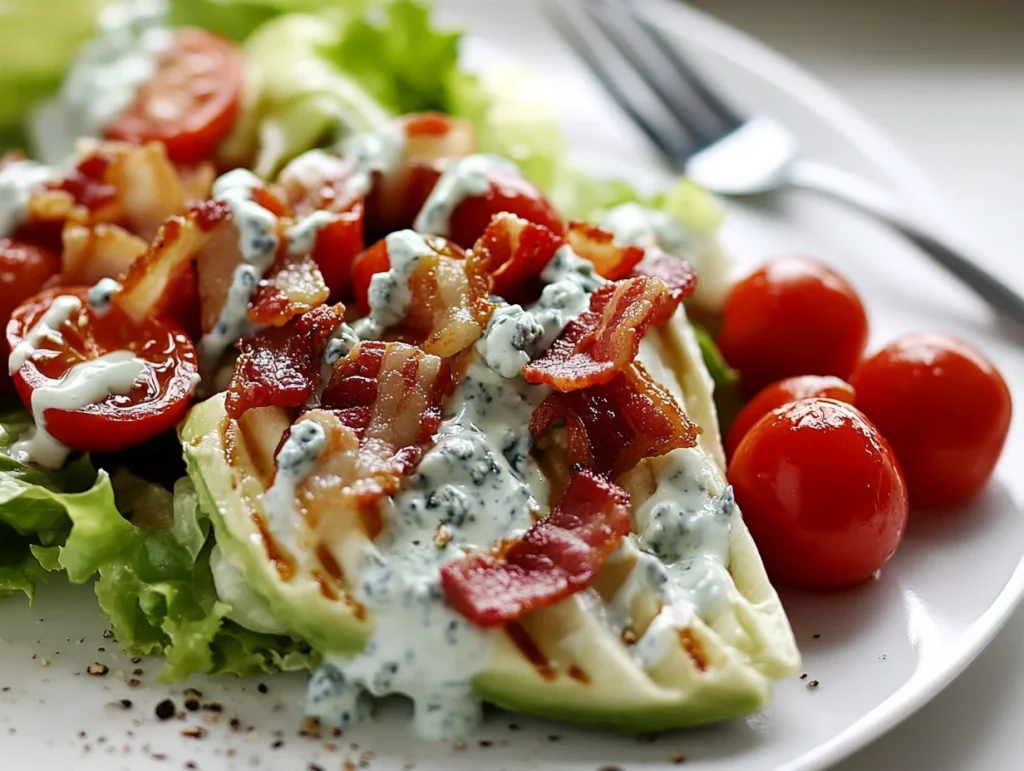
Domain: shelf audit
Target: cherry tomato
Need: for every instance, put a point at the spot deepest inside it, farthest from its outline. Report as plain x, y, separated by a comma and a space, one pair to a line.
157, 401
793, 316
373, 260
789, 390
337, 246
191, 103
509, 193
821, 492
943, 407
23, 271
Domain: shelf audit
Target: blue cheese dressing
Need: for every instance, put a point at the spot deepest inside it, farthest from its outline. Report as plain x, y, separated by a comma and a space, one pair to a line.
295, 461
17, 181
465, 178
389, 295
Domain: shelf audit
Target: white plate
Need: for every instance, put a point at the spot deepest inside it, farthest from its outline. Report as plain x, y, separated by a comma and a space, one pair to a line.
878, 652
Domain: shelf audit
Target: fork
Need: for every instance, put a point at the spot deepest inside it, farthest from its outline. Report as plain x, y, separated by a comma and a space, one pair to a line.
724, 152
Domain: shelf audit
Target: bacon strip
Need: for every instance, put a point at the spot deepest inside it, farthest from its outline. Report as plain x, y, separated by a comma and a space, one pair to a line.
557, 557
390, 395
602, 341
612, 427
292, 286
610, 260
674, 271
449, 308
280, 366
509, 257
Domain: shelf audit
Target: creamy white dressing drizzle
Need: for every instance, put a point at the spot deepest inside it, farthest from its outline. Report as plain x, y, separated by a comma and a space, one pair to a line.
515, 336
372, 153
17, 181
465, 178
87, 383
389, 295
101, 295
47, 328
258, 243
338, 346
105, 77
477, 484
302, 235
295, 461
681, 548
634, 225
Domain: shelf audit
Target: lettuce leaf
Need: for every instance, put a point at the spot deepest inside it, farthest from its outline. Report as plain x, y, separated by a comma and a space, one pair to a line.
156, 586
238, 19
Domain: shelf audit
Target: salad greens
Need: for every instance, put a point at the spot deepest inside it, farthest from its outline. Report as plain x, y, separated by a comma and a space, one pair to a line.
316, 70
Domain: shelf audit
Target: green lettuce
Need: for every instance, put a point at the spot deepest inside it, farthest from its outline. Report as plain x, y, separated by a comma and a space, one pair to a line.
238, 19
152, 553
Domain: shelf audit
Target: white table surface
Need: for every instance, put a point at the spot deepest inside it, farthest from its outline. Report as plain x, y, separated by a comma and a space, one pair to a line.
946, 81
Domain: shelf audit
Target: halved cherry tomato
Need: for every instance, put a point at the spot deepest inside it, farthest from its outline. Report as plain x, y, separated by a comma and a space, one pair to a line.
509, 193
191, 103
821, 492
374, 260
159, 398
943, 407
783, 392
793, 316
24, 269
337, 246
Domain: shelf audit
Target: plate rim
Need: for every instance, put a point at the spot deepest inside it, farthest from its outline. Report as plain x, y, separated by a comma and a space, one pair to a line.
892, 164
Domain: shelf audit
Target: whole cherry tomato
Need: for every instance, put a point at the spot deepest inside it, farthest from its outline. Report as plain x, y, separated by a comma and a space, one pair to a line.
793, 316
821, 492
943, 407
784, 391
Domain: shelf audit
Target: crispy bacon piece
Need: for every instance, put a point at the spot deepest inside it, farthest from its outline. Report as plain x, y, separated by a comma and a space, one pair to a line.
612, 427
610, 260
510, 256
92, 252
676, 272
449, 308
602, 341
557, 557
292, 286
280, 366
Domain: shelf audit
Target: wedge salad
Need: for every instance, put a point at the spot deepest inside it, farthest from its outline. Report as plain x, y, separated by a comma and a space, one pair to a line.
324, 357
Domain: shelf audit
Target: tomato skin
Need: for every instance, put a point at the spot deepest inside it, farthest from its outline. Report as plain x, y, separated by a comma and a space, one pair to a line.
374, 260
337, 246
118, 422
24, 269
821, 492
782, 392
191, 103
943, 407
793, 316
509, 193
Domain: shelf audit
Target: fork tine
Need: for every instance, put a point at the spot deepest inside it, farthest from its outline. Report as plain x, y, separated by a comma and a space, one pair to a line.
676, 145
662, 70
686, 70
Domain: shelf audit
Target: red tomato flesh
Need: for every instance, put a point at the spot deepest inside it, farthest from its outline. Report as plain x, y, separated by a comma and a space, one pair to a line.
789, 390
23, 271
509, 193
943, 407
793, 316
374, 260
821, 492
191, 103
157, 401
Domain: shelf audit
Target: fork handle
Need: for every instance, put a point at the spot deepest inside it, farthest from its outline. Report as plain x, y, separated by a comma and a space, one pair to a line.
874, 200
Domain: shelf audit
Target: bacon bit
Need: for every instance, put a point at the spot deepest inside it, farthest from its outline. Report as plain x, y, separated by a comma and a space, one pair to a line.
610, 260
279, 367
87, 184
292, 286
381, 408
676, 272
602, 341
556, 557
325, 185
612, 427
510, 256
449, 308
92, 252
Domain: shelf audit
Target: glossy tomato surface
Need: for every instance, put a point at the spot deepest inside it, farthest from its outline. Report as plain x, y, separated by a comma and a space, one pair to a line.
793, 316
821, 492
784, 391
509, 192
157, 401
191, 103
943, 407
24, 269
